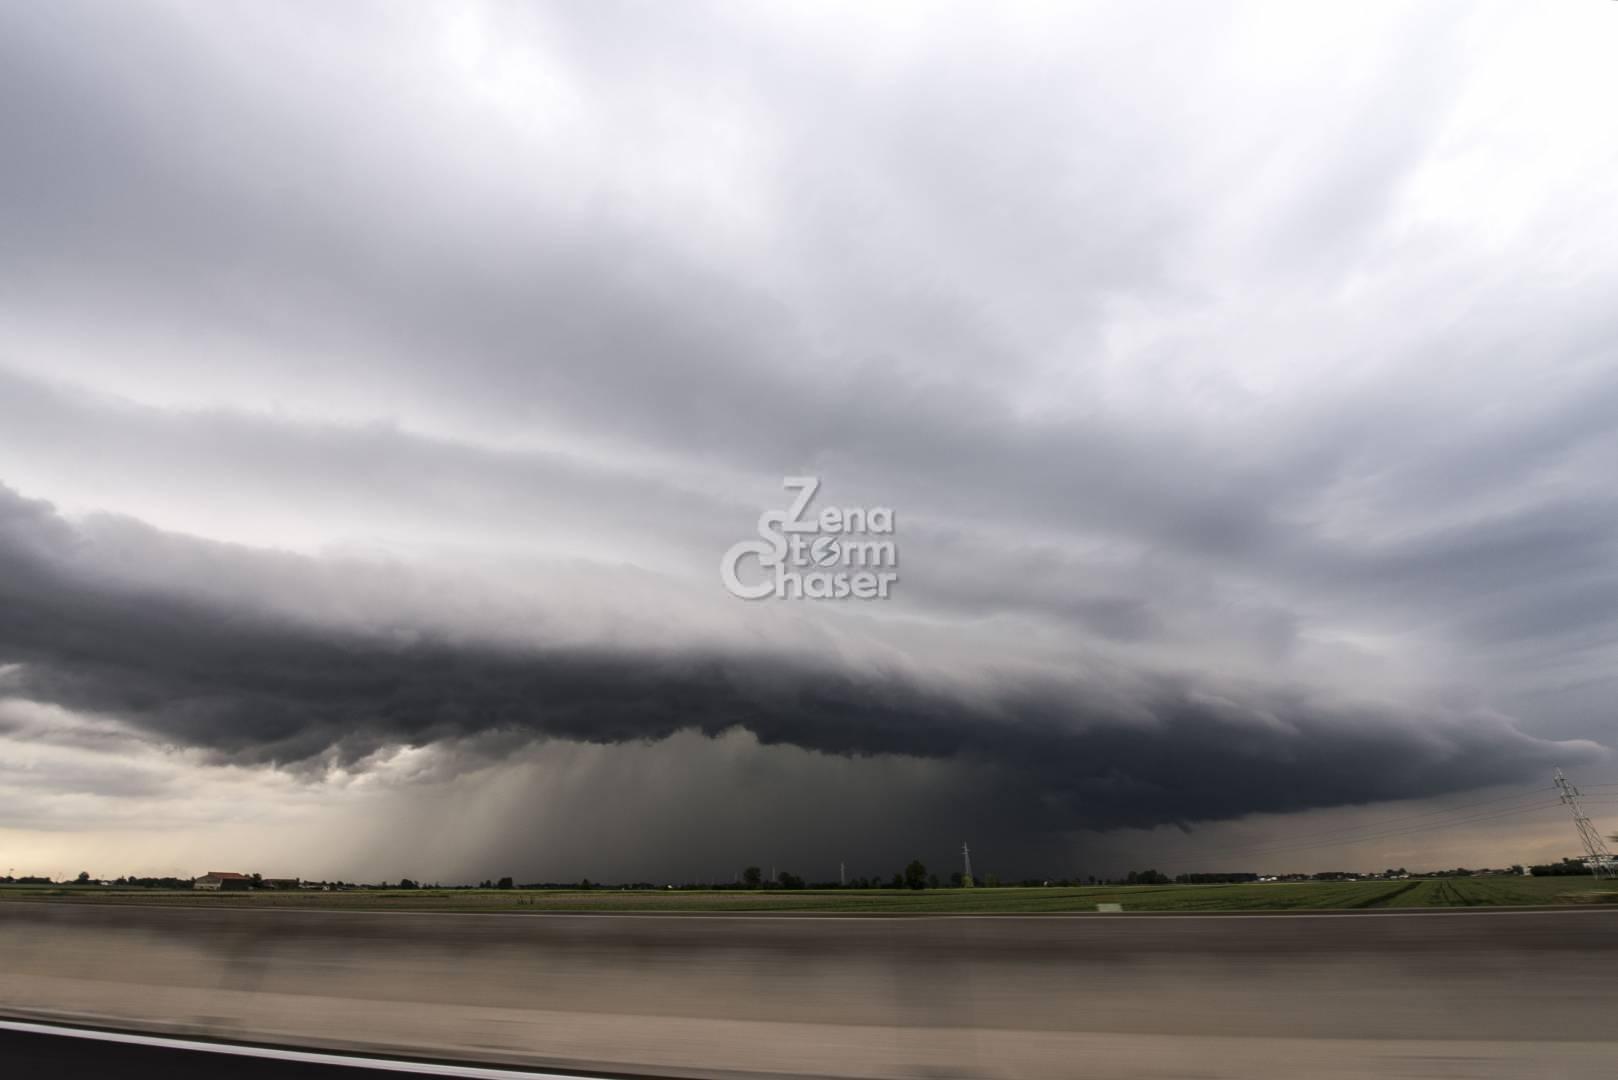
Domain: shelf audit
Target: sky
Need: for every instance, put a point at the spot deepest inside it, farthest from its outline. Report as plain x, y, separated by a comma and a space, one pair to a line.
381, 388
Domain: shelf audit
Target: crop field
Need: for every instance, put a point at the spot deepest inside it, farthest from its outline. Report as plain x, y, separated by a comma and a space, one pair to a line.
1277, 896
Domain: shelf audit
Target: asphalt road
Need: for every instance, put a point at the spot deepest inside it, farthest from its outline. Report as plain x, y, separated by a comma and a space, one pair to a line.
65, 1053
67, 1058
1430, 994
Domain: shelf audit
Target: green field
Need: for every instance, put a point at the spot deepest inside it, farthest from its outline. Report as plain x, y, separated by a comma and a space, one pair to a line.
1279, 896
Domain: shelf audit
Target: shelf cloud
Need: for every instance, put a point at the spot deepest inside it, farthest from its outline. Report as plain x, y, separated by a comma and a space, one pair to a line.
379, 395
86, 629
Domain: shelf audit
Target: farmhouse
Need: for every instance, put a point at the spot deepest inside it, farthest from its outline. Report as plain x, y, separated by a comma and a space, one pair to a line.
222, 881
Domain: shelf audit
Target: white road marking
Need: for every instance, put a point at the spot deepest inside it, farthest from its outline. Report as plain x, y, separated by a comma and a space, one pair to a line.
306, 1057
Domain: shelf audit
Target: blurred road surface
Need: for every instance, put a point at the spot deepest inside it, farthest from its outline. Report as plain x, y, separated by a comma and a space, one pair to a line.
1429, 994
64, 1053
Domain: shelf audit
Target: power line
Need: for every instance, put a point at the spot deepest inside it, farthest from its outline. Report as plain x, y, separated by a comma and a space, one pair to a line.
1528, 801
1409, 830
1443, 811
1267, 851
1393, 826
1271, 850
1389, 827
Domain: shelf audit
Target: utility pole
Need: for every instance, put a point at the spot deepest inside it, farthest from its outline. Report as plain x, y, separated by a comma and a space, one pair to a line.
966, 853
1596, 855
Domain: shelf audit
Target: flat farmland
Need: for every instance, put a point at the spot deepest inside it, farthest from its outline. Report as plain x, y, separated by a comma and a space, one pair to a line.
1270, 896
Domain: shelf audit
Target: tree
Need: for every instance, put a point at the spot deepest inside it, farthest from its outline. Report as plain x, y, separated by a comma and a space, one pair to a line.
84, 877
915, 875
955, 880
1565, 868
789, 881
505, 883
752, 877
1146, 877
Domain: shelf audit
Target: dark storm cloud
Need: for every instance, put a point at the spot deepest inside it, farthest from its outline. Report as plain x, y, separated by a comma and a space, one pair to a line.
1054, 754
1243, 386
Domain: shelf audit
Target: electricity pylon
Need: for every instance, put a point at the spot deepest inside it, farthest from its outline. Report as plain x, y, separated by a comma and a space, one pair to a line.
966, 878
1596, 855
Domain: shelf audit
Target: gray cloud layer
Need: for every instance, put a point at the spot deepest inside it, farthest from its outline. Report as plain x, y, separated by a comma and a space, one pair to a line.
1137, 750
1244, 384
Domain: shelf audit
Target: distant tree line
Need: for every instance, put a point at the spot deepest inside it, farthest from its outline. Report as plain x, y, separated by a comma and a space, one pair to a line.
913, 876
1565, 868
